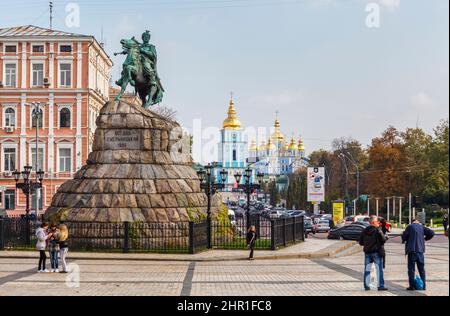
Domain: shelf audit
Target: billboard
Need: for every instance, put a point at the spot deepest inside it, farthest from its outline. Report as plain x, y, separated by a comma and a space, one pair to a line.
316, 184
338, 211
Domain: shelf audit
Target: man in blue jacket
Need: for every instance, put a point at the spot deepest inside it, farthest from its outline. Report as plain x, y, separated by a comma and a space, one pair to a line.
415, 236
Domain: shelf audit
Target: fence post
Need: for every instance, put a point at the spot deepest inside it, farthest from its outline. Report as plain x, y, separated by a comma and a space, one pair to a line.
209, 232
126, 235
303, 228
273, 246
2, 237
191, 238
284, 232
294, 230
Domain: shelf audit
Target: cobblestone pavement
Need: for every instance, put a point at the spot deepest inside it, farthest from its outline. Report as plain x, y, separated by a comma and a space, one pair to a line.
297, 277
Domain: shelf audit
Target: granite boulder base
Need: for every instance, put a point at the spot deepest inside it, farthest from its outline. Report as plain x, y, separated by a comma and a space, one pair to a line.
140, 170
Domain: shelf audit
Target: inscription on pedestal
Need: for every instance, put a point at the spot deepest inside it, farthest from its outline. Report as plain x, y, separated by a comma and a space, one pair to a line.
123, 139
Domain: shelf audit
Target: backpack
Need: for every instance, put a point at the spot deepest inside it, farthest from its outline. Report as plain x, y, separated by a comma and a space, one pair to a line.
418, 284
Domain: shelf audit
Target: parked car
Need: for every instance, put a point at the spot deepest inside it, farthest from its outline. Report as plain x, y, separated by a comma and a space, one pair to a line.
310, 227
296, 213
361, 218
348, 232
323, 226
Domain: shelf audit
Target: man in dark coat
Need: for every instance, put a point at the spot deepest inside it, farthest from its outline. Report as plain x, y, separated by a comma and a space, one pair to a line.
373, 241
415, 236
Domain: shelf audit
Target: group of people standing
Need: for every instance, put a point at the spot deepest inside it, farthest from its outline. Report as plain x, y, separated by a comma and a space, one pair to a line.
54, 239
373, 239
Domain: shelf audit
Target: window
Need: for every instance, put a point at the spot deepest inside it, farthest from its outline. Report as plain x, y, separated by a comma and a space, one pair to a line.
33, 200
64, 118
9, 158
65, 48
10, 196
10, 117
40, 160
38, 48
37, 120
38, 75
234, 155
65, 160
10, 75
10, 49
65, 71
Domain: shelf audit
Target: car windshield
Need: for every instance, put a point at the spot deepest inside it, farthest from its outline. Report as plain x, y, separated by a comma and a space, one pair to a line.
324, 222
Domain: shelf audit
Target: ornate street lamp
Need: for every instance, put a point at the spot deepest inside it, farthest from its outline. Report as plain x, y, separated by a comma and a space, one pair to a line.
28, 187
249, 187
209, 185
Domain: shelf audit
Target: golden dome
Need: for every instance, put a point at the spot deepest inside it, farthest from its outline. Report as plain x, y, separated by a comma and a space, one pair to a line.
271, 146
254, 146
293, 145
301, 146
277, 136
263, 146
232, 121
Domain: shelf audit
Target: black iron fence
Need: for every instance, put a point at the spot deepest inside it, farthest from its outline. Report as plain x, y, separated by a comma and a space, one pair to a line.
182, 237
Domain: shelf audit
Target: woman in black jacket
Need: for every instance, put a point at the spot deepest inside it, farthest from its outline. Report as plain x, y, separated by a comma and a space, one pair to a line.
251, 240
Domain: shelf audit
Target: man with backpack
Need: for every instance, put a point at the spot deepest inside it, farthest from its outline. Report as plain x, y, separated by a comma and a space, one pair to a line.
415, 236
373, 240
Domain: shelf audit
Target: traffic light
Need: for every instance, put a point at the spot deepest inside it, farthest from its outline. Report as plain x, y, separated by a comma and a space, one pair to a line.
416, 201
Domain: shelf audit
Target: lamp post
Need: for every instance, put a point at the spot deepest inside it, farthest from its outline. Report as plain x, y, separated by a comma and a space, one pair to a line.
248, 187
350, 158
37, 114
209, 185
28, 187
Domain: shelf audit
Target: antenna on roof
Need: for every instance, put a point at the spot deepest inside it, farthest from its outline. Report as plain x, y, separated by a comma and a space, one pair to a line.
51, 14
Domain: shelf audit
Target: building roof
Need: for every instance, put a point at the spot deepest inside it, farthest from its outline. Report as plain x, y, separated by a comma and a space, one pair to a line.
31, 30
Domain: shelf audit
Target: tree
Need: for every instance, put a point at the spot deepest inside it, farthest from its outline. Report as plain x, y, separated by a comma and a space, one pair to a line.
436, 188
297, 190
275, 196
386, 161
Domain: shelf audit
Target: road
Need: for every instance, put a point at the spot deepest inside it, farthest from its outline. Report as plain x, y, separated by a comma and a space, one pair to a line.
298, 277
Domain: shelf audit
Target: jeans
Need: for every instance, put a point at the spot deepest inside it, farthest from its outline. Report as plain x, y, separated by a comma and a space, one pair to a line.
370, 259
54, 259
63, 254
42, 260
413, 259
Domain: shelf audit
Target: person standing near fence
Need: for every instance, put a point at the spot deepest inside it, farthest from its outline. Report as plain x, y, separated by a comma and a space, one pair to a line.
63, 246
251, 241
41, 246
445, 222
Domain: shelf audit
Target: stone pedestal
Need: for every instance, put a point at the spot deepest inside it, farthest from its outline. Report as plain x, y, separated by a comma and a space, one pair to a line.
140, 170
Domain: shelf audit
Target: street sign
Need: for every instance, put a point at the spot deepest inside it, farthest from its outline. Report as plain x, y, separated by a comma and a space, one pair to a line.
316, 184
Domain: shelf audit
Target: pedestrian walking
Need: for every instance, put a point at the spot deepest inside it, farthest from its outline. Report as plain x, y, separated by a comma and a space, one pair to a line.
53, 248
41, 245
373, 239
251, 241
63, 246
445, 222
415, 236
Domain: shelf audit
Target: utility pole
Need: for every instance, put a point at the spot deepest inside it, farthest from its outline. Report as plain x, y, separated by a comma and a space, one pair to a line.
393, 205
368, 205
377, 206
410, 208
400, 211
388, 208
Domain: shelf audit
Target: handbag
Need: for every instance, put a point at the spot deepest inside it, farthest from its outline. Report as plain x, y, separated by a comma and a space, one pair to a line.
418, 283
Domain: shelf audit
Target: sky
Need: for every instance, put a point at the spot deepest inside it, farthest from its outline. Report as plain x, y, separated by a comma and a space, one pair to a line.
315, 61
